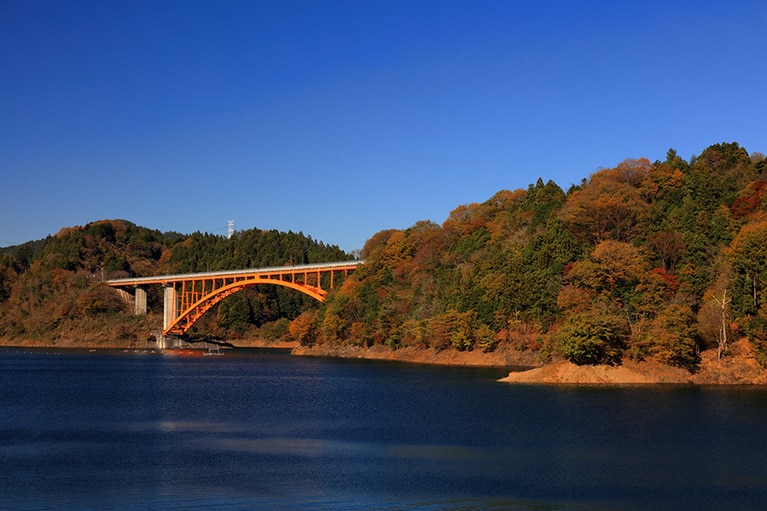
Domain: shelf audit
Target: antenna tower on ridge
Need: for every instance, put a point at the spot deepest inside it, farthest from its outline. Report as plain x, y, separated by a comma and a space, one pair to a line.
229, 228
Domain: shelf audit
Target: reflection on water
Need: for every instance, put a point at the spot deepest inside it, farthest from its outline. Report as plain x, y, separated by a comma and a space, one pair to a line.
270, 431
333, 448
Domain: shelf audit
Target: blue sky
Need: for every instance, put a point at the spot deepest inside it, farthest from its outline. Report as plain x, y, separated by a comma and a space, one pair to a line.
343, 118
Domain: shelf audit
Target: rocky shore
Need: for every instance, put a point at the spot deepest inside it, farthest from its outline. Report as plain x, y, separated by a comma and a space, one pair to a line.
629, 373
738, 367
421, 355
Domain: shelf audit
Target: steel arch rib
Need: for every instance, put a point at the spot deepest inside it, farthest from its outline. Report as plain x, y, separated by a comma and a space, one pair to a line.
193, 313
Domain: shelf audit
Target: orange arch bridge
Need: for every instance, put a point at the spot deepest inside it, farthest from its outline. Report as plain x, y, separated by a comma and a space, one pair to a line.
189, 296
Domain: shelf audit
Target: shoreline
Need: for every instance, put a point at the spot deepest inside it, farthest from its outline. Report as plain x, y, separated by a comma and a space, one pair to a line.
420, 355
628, 373
738, 367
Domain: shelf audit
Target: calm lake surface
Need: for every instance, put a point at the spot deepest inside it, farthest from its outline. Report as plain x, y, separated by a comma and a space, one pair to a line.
263, 430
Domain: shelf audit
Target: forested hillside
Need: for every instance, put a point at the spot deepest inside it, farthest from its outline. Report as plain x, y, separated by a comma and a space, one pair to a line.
646, 259
53, 290
656, 260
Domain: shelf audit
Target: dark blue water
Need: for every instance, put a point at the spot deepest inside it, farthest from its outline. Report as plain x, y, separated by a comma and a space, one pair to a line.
271, 431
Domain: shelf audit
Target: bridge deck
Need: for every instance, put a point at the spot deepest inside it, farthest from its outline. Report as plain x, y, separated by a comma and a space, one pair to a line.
189, 295
167, 279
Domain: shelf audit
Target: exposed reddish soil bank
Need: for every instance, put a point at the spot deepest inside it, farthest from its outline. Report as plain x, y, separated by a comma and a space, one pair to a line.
738, 367
628, 373
498, 358
257, 343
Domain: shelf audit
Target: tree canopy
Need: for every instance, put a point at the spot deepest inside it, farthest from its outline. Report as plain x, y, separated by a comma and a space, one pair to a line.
52, 287
626, 264
647, 259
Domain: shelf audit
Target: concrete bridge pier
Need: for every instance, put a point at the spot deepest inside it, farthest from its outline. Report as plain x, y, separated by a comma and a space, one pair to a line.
140, 301
169, 307
137, 297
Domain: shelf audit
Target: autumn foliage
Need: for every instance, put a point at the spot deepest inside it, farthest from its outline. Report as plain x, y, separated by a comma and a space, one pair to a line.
647, 259
627, 264
52, 291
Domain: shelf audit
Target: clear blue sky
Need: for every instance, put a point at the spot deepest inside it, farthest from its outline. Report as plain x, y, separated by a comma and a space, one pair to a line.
340, 119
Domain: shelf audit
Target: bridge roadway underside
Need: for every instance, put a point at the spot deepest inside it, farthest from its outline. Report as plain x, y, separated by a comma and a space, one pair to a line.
188, 296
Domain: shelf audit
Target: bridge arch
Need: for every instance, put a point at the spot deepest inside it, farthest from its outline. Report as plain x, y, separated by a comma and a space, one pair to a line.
187, 318
189, 296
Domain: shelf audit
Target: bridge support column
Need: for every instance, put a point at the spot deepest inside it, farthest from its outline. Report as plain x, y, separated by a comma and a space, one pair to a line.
169, 307
137, 298
140, 300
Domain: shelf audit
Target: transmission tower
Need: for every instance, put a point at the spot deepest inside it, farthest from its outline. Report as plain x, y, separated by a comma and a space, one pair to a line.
229, 228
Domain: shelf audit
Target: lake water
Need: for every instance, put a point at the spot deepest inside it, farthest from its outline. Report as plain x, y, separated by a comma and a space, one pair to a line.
269, 431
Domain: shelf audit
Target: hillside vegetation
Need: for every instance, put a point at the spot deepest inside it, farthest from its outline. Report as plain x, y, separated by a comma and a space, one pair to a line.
648, 260
645, 260
52, 291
